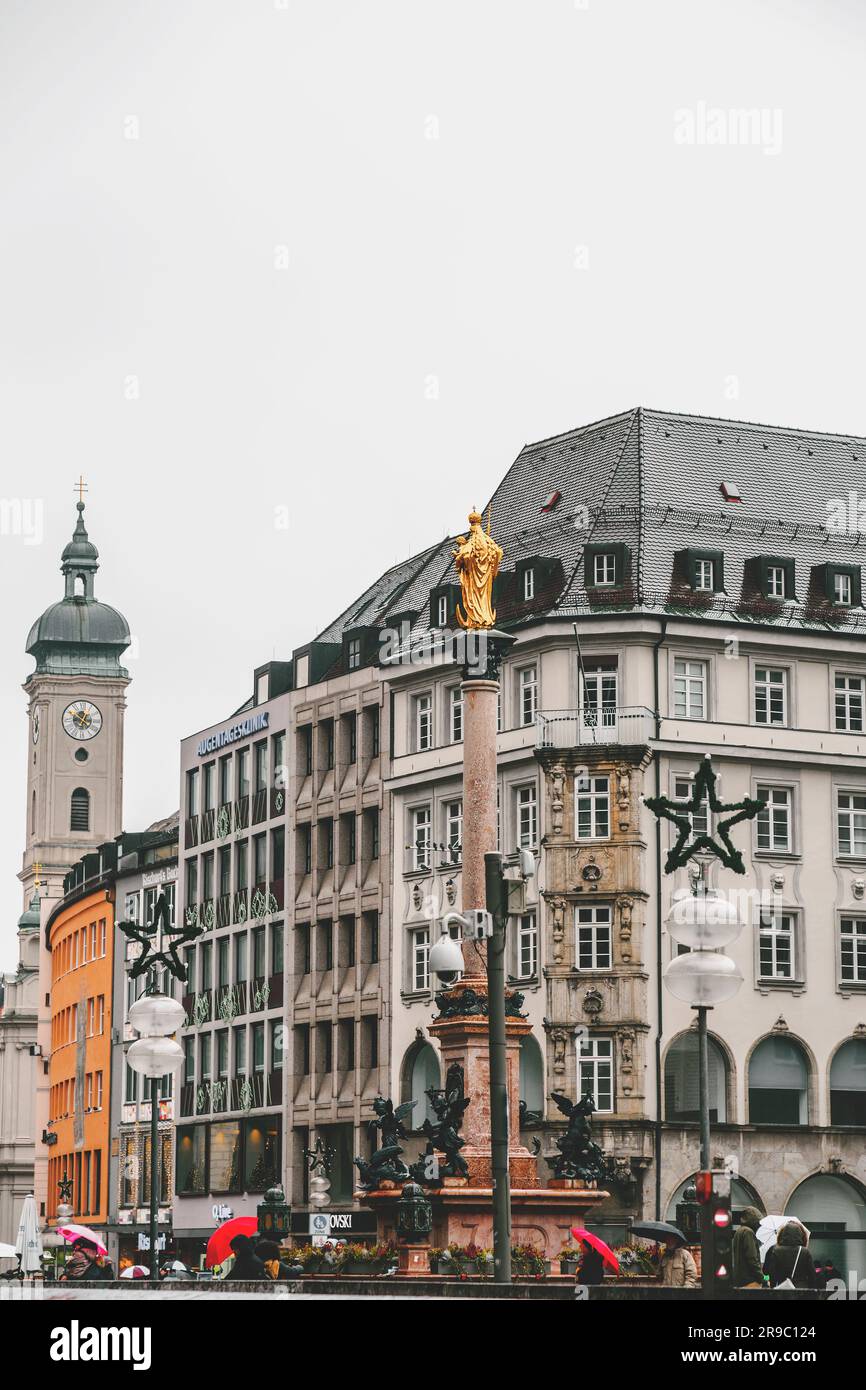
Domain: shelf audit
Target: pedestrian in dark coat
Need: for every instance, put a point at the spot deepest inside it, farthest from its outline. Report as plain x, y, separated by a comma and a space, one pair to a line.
269, 1253
591, 1267
746, 1252
246, 1265
789, 1259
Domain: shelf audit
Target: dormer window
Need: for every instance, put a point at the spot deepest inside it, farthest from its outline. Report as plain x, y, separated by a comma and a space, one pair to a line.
730, 492
705, 578
442, 611
528, 584
353, 653
777, 577
776, 581
604, 569
842, 589
606, 566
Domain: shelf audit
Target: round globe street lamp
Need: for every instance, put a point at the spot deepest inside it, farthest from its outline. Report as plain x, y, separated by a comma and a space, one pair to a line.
153, 1054
704, 921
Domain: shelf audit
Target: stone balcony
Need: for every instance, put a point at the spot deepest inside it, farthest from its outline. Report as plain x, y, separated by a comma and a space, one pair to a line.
595, 726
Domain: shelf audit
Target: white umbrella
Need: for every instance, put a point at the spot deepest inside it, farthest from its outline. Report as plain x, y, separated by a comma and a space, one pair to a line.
135, 1272
768, 1231
29, 1242
7, 1252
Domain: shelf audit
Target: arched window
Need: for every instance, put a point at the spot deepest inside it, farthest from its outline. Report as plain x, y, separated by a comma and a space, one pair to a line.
33, 814
778, 1083
848, 1084
79, 810
423, 1073
531, 1076
681, 1080
80, 586
832, 1208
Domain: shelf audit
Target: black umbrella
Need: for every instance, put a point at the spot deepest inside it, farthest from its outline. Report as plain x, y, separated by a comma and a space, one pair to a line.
657, 1230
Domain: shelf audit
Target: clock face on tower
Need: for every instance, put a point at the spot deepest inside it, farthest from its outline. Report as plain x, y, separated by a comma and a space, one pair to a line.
82, 720
36, 726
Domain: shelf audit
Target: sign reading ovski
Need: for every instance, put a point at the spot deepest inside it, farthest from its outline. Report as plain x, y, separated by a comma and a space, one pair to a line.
244, 729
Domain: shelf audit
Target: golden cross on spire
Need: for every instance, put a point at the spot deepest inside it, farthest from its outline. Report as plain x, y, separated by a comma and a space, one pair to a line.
81, 487
37, 869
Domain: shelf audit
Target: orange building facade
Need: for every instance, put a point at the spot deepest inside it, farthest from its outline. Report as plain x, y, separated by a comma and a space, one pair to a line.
80, 940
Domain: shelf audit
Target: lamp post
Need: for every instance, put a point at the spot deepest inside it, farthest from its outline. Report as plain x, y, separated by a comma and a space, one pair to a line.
705, 922
156, 1017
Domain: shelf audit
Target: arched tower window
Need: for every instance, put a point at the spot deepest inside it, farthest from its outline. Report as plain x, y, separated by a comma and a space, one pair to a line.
778, 1083
33, 814
681, 1080
79, 810
848, 1084
423, 1072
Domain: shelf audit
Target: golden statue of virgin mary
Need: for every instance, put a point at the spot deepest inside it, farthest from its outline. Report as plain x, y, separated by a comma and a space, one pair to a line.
477, 559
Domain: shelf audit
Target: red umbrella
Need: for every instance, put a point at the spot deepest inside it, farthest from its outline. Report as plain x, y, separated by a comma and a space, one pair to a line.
219, 1245
597, 1244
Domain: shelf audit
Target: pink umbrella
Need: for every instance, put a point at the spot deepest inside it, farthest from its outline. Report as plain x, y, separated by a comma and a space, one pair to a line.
73, 1233
597, 1244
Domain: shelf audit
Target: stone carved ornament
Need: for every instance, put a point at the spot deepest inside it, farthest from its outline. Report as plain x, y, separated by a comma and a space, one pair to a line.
557, 916
557, 797
623, 795
626, 909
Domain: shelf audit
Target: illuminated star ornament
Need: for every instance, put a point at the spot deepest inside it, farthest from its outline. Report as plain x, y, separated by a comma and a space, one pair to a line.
682, 814
156, 952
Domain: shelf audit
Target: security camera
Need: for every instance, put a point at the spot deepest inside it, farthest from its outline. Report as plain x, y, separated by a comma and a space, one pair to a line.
446, 959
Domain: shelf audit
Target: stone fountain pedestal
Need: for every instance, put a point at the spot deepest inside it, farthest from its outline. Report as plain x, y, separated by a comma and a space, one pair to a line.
542, 1212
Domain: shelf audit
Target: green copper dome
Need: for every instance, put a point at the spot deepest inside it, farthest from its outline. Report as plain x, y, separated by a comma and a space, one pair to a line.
29, 920
78, 635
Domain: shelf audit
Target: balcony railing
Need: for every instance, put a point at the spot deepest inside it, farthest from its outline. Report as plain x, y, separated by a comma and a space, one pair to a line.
594, 725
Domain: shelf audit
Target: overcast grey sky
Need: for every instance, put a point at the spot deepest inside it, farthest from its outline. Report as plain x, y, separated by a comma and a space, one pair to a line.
344, 257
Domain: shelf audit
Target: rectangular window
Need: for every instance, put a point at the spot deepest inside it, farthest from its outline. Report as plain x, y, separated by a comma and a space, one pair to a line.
774, 821
776, 585
593, 937
842, 589
848, 703
225, 780
454, 830
705, 576
354, 653
241, 861
442, 610
527, 818
373, 822
690, 689
261, 766
604, 569
351, 739
455, 705
595, 1072
240, 1046
208, 772
851, 813
528, 584
771, 695
423, 722
421, 837
527, 946
701, 819
776, 947
260, 858
192, 792
528, 695
419, 955
592, 808
243, 772
852, 950
240, 957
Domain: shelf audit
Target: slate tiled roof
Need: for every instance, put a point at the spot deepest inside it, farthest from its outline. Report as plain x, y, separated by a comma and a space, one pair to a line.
650, 480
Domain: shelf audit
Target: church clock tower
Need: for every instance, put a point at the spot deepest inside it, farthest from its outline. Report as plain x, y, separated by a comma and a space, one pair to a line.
76, 704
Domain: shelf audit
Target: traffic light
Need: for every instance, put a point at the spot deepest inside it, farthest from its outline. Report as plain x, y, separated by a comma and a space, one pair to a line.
714, 1191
